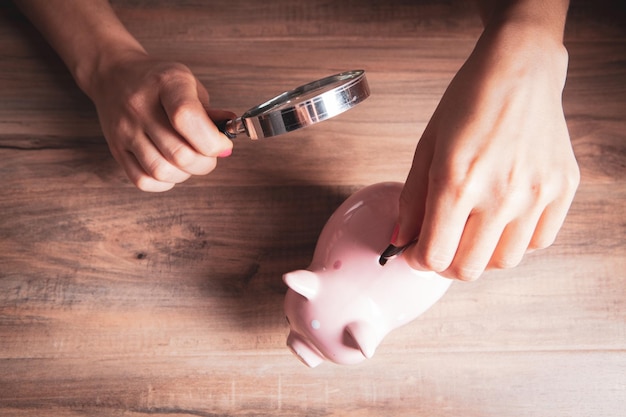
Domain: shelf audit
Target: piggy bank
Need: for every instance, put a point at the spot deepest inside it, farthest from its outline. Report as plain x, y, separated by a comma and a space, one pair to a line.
346, 302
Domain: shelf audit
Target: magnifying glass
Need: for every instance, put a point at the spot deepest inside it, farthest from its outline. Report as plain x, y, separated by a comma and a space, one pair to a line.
303, 106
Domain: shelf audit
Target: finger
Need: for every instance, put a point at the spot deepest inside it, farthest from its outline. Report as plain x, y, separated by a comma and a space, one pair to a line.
177, 150
412, 203
413, 198
515, 239
154, 163
139, 177
550, 223
441, 211
445, 218
187, 115
478, 242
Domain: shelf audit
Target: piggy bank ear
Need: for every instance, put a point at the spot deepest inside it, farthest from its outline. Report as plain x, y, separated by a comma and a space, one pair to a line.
304, 282
364, 336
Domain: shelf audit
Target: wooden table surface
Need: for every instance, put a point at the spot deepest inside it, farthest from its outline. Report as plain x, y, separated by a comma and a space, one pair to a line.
123, 303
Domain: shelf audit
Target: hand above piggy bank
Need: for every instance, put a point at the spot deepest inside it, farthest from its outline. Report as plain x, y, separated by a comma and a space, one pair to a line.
346, 302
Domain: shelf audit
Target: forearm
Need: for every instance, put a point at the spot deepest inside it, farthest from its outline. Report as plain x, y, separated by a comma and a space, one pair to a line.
87, 35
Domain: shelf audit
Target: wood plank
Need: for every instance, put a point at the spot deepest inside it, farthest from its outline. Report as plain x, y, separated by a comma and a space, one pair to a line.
431, 383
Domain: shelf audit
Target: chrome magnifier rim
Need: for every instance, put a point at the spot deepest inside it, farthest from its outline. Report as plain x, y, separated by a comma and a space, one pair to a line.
303, 106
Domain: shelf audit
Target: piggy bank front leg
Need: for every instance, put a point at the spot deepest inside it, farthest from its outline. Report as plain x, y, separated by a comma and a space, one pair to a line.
300, 347
364, 337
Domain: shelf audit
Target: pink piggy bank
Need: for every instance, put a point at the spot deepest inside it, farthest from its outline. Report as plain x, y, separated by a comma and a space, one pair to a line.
346, 302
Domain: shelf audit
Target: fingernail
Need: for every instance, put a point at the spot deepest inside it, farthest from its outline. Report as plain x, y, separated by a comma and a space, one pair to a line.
225, 153
394, 234
390, 252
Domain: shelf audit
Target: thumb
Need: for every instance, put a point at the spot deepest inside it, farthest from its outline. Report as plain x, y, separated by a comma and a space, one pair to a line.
412, 205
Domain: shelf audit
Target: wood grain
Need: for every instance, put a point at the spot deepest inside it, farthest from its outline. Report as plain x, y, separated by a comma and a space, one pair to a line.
122, 303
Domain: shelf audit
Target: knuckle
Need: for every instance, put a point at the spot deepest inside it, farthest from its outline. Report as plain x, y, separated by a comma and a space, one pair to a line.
143, 183
187, 160
432, 262
160, 170
182, 156
541, 242
206, 166
467, 272
167, 74
183, 113
209, 165
446, 179
119, 136
173, 71
147, 184
506, 262
413, 263
456, 183
537, 191
133, 142
136, 101
563, 185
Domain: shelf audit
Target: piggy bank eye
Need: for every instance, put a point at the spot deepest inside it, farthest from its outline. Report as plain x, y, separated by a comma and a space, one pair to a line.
288, 322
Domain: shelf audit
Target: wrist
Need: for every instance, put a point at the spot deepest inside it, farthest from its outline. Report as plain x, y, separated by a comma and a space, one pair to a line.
545, 17
94, 66
91, 75
524, 43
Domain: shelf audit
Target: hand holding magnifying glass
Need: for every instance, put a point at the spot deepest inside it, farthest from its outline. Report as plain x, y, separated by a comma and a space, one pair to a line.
156, 117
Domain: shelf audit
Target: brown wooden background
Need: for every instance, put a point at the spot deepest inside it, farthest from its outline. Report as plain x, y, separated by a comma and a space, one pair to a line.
123, 303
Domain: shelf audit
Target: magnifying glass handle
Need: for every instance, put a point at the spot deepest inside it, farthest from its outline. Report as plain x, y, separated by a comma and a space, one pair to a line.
231, 128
